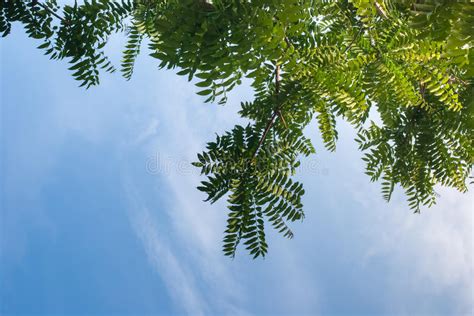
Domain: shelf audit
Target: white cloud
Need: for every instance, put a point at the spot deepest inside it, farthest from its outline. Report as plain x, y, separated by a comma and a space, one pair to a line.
431, 252
150, 131
180, 281
184, 121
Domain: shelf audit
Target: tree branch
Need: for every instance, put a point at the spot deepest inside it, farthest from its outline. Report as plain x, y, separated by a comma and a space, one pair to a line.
380, 10
45, 7
353, 40
275, 112
265, 132
277, 93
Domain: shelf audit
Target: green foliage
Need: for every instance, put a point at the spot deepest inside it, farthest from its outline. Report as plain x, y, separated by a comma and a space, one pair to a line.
407, 65
132, 50
450, 22
259, 183
78, 33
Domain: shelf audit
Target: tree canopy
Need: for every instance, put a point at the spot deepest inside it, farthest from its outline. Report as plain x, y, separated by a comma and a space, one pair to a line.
401, 72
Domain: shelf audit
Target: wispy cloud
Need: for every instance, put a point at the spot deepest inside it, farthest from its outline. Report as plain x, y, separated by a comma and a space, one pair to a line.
429, 253
205, 282
180, 282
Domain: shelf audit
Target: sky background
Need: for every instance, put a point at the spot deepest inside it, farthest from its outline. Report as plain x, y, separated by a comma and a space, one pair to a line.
100, 215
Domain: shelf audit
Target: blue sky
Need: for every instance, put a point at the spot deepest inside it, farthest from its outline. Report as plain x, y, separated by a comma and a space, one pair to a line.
100, 215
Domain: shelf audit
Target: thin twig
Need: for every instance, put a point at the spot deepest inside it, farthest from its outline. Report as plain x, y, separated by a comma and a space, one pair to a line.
380, 10
280, 115
277, 79
45, 7
277, 82
265, 132
353, 40
275, 112
277, 93
455, 79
